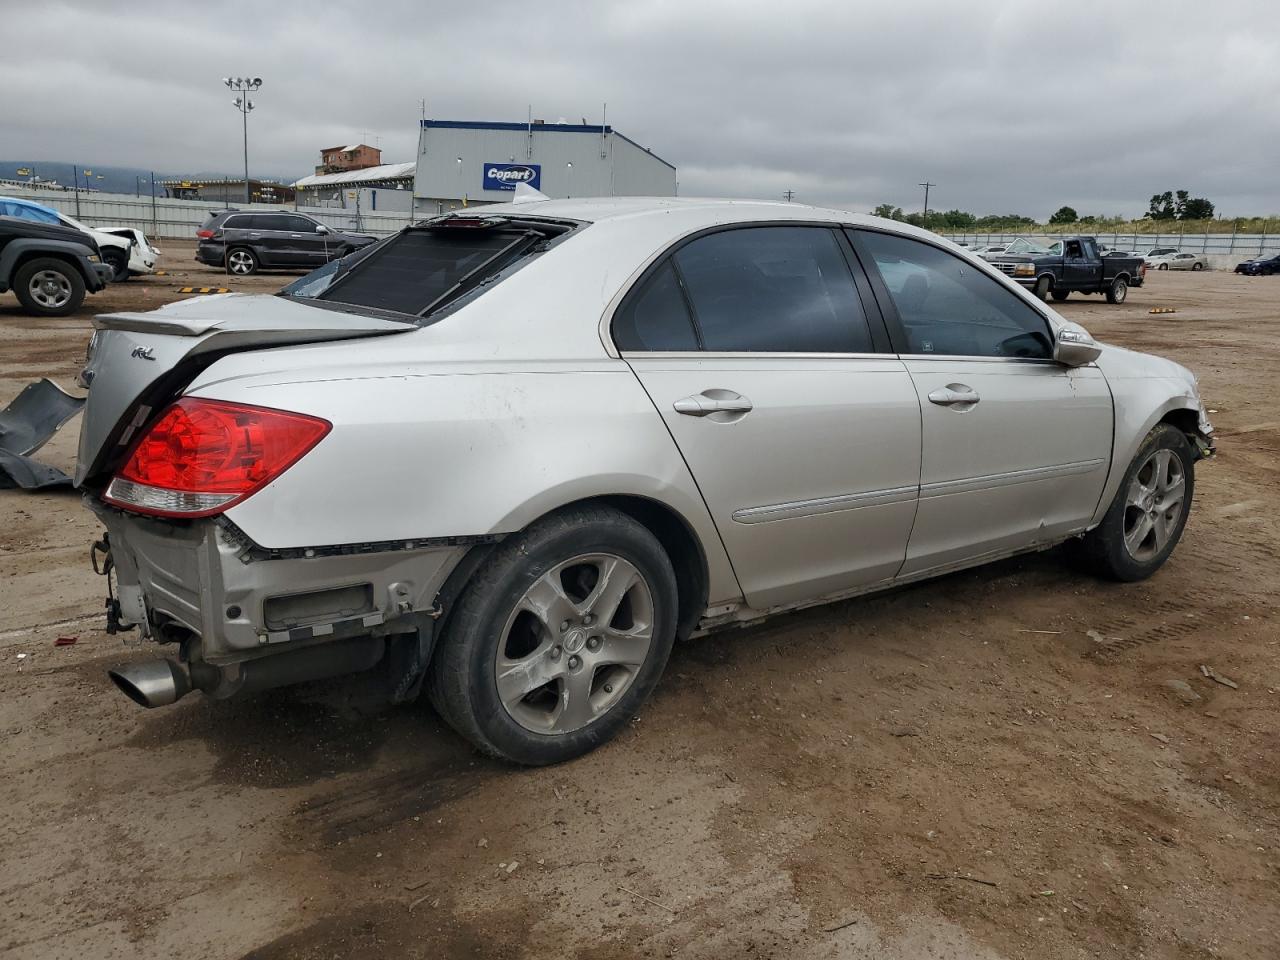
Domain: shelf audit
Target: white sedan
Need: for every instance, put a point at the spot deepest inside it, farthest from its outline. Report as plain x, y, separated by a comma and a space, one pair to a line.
512, 455
1176, 260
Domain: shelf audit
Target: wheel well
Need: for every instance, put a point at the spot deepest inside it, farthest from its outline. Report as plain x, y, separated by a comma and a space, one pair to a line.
28, 255
681, 545
1188, 421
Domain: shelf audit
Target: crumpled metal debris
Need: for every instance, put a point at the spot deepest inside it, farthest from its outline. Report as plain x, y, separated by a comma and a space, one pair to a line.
26, 425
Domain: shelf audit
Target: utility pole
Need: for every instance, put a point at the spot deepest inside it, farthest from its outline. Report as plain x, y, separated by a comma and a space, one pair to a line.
244, 86
926, 186
76, 173
789, 195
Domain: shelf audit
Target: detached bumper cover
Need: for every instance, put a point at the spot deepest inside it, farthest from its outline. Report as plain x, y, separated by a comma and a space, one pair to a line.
206, 577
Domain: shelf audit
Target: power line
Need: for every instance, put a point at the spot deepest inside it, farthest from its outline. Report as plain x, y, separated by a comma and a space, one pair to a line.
789, 195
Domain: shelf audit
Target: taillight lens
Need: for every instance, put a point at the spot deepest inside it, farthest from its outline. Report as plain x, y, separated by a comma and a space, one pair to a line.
203, 456
204, 234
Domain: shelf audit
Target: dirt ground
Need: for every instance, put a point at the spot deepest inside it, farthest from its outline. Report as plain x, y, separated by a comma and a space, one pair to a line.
1011, 762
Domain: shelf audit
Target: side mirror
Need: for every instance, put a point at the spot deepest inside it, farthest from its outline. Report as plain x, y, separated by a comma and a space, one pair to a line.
321, 228
1075, 348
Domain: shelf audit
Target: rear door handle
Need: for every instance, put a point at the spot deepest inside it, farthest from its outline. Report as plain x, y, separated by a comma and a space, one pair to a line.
709, 402
954, 395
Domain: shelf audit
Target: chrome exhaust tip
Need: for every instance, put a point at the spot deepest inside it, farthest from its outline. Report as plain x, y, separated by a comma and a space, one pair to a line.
153, 683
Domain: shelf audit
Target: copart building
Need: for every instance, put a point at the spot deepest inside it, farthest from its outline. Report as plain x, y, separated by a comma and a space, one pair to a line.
467, 162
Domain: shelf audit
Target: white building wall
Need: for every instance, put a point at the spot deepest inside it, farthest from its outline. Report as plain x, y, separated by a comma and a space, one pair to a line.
451, 163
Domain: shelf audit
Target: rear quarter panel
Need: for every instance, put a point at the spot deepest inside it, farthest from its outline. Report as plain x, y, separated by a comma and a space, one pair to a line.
464, 449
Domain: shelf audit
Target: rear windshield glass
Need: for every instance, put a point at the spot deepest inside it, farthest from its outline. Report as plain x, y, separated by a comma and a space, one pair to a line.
425, 267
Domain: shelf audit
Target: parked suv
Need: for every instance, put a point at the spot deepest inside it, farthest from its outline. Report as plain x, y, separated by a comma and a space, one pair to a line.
246, 242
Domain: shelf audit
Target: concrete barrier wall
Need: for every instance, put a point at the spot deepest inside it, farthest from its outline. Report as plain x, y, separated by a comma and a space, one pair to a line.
178, 219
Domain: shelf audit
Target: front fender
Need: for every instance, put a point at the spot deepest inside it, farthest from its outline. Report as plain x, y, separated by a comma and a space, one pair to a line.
1139, 405
20, 249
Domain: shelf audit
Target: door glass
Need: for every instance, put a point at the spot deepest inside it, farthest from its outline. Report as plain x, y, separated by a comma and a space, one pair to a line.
265, 221
655, 316
948, 306
298, 225
773, 289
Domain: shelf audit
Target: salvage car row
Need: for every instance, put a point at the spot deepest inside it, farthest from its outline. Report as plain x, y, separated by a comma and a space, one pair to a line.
51, 260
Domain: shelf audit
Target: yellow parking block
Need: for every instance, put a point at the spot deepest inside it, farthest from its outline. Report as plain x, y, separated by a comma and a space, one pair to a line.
1162, 310
204, 289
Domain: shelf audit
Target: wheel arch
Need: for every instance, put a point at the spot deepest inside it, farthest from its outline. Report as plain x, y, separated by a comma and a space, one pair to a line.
673, 531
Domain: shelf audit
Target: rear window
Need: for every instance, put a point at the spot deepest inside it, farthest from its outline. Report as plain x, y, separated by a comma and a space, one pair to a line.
420, 270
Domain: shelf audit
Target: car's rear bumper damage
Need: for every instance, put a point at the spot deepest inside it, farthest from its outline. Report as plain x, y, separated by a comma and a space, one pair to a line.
248, 618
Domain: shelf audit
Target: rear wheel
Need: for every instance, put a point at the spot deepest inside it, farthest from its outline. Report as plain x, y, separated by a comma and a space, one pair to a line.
1197, 265
1118, 290
48, 287
558, 638
119, 261
242, 261
1061, 295
1149, 512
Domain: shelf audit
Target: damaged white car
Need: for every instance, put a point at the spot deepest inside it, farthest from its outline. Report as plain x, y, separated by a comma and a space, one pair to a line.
510, 456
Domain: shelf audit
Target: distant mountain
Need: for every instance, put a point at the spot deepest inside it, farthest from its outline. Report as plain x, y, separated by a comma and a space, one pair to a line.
115, 179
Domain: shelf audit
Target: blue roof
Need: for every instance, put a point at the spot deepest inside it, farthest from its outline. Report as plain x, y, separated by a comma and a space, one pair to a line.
540, 128
27, 210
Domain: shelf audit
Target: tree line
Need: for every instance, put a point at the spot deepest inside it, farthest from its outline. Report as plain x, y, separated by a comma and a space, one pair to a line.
1170, 205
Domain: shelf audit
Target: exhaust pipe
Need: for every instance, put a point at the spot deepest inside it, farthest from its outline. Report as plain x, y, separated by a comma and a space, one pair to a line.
154, 683
158, 683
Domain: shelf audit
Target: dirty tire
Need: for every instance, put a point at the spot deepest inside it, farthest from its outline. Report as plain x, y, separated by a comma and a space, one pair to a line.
1102, 551
1060, 295
1042, 288
40, 303
462, 683
1118, 290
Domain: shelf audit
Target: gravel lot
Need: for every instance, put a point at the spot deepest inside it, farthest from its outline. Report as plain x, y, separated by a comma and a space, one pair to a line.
958, 769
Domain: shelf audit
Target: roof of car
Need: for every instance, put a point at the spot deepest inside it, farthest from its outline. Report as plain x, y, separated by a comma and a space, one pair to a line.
690, 212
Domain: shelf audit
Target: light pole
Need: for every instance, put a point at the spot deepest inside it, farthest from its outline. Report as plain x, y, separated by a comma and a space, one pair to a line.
569, 180
244, 86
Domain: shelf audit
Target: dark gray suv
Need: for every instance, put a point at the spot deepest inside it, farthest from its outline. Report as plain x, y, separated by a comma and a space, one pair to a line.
245, 242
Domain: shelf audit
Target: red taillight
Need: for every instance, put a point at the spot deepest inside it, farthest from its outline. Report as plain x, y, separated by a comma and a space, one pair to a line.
204, 234
203, 456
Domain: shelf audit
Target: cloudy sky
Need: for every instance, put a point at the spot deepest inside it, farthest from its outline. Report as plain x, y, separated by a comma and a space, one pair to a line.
1007, 105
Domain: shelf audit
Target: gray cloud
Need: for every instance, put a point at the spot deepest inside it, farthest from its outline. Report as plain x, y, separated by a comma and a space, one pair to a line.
1007, 106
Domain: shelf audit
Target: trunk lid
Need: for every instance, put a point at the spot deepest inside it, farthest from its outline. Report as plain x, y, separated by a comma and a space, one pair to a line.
138, 362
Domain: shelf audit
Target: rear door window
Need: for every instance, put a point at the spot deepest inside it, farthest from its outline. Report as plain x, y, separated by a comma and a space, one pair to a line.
782, 289
655, 316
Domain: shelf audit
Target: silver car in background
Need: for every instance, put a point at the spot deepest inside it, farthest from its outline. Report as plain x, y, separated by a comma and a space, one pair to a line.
1176, 260
510, 456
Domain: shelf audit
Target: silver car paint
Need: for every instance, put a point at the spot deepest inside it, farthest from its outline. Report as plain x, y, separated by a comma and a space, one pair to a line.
518, 403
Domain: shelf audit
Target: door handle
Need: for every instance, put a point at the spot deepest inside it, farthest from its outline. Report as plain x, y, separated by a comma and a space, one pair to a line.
726, 403
955, 395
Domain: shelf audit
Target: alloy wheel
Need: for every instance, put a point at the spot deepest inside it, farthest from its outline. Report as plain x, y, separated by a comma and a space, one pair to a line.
240, 262
574, 643
1154, 505
50, 289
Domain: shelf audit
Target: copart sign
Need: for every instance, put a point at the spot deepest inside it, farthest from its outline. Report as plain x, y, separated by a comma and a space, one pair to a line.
505, 176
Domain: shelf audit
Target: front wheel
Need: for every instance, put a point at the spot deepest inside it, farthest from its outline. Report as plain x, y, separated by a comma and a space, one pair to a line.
1118, 291
1163, 266
1197, 266
1042, 288
1150, 510
119, 261
558, 638
48, 287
